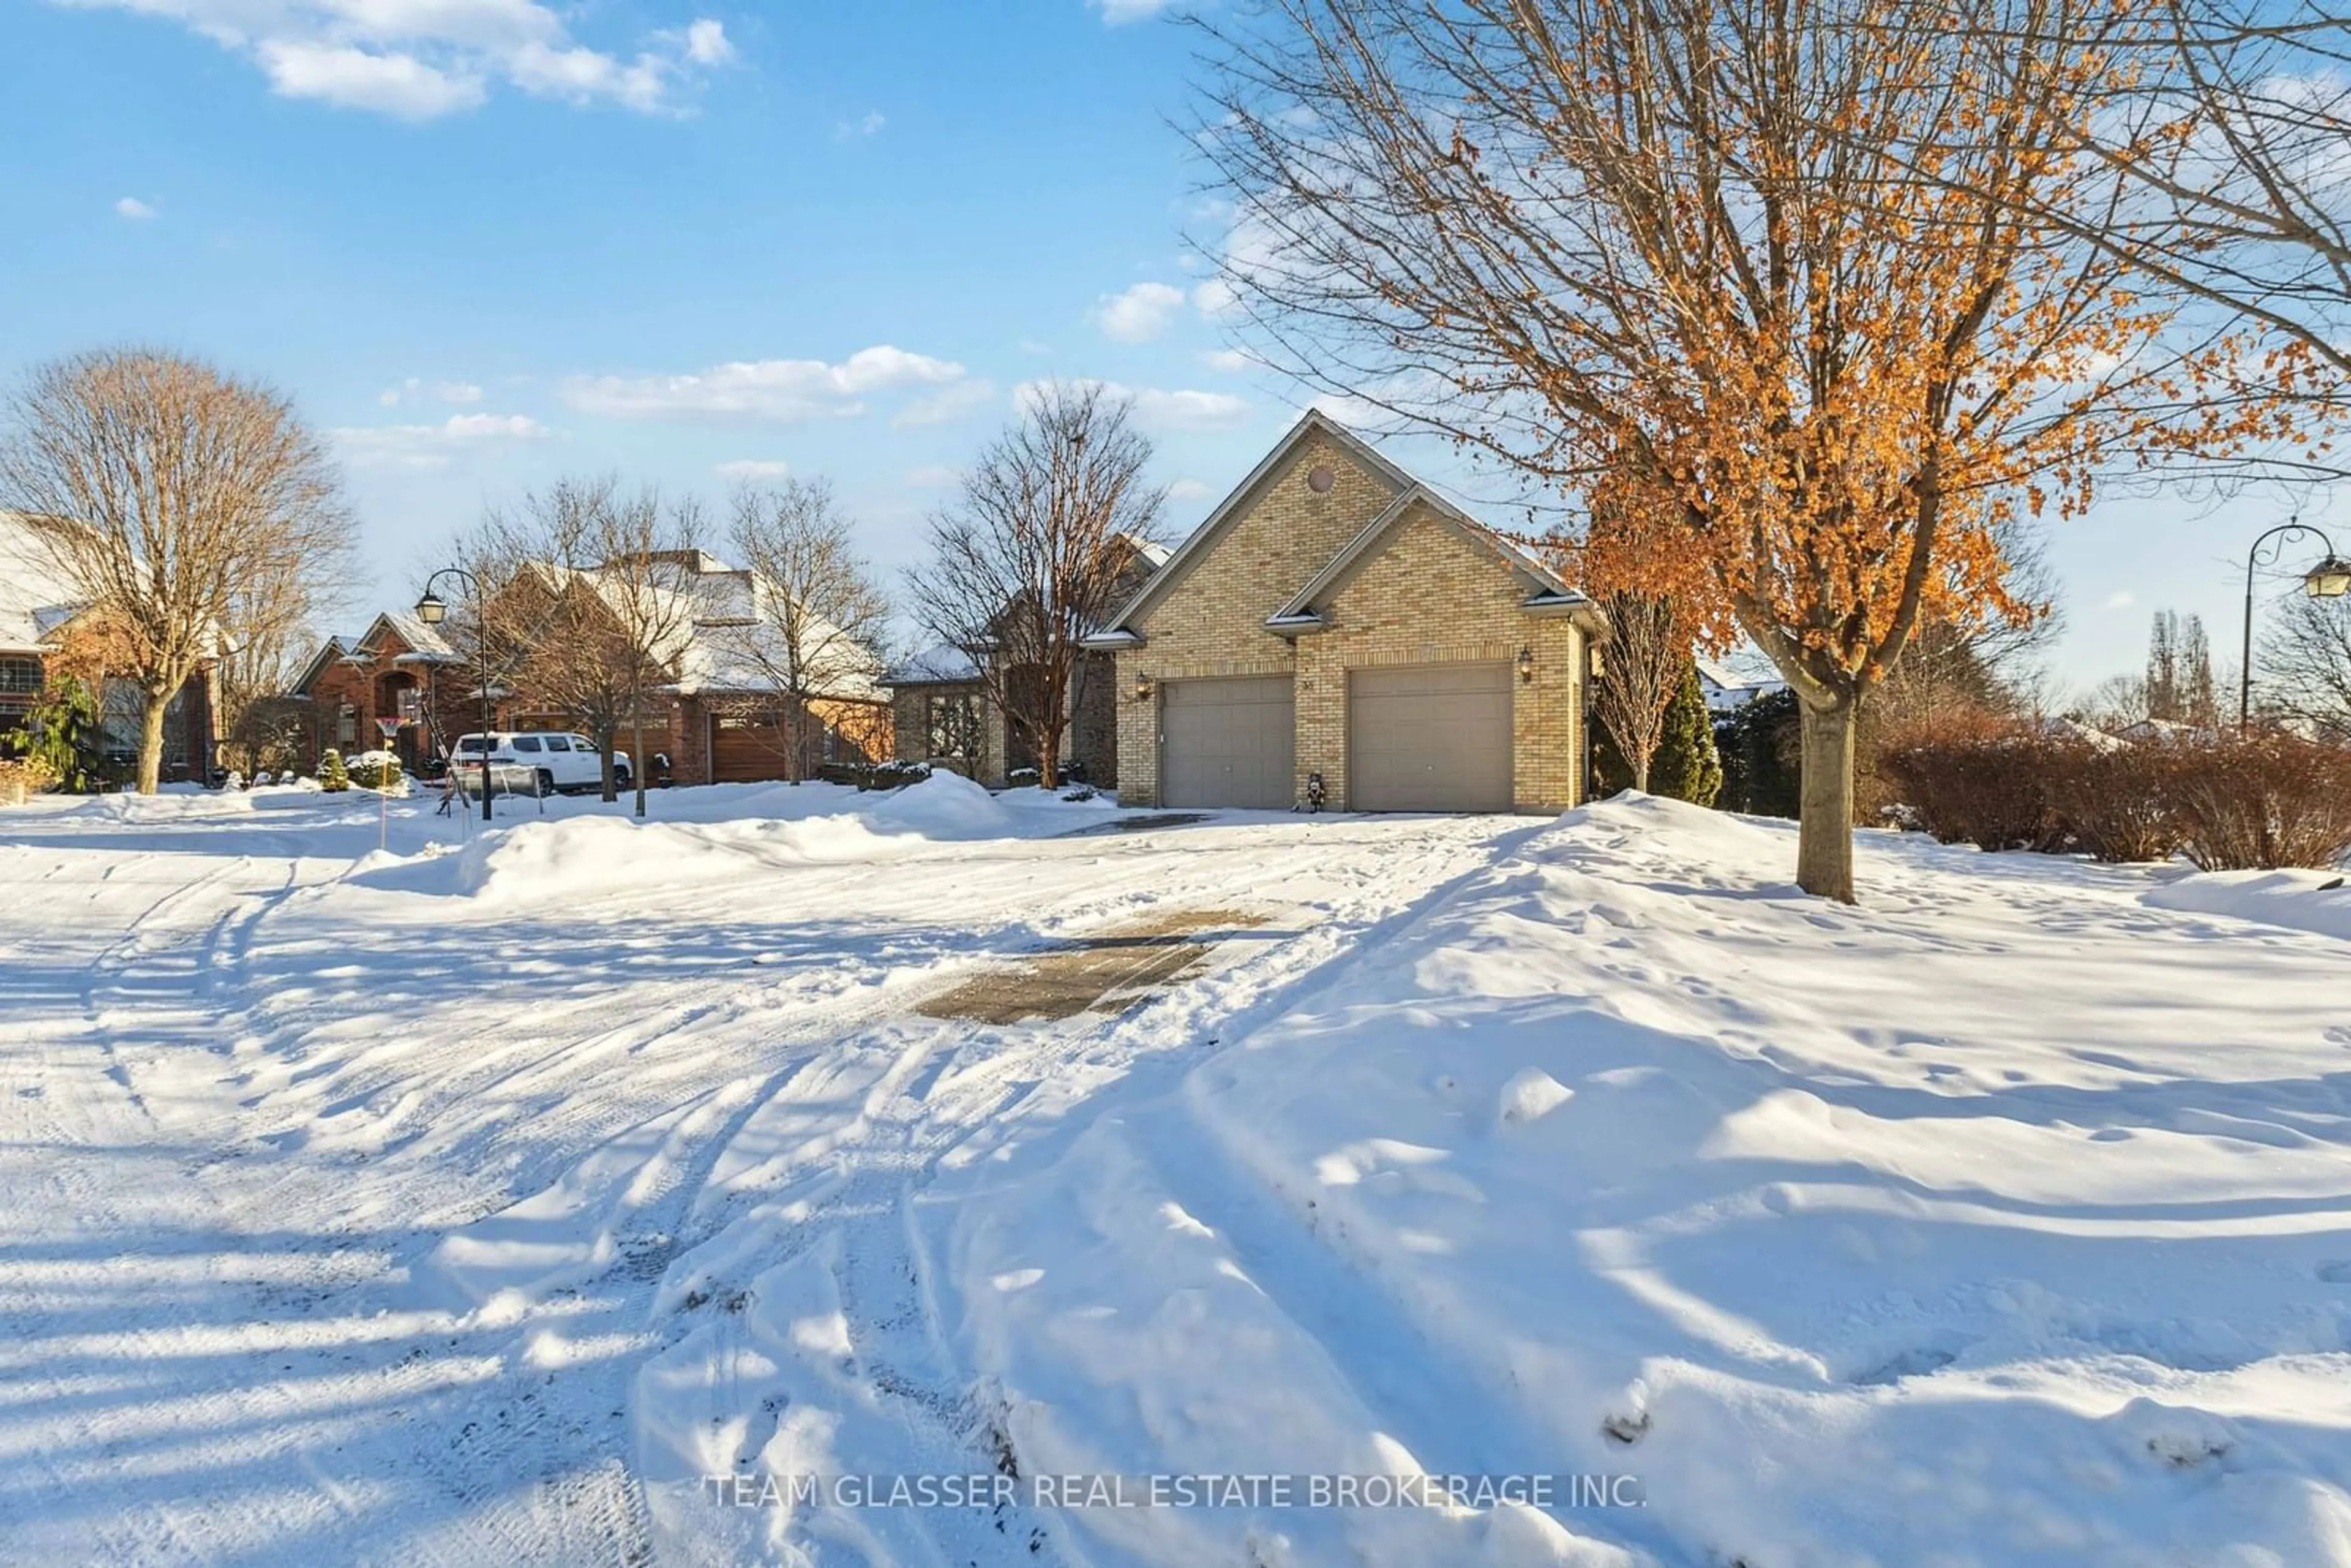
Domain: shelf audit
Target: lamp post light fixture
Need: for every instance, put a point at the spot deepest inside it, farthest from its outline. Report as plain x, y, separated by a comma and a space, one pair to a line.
2330, 579
433, 610
1527, 665
1141, 685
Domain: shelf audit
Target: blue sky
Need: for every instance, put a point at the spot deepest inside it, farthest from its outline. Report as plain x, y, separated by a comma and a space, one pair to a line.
489, 242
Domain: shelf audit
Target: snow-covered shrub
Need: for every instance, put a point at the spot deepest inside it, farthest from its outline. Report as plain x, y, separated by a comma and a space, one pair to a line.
377, 770
2259, 801
333, 777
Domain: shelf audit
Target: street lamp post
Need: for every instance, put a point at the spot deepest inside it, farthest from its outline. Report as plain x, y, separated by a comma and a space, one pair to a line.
2330, 579
433, 611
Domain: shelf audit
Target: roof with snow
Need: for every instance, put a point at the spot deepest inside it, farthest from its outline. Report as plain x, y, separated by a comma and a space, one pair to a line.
934, 667
37, 595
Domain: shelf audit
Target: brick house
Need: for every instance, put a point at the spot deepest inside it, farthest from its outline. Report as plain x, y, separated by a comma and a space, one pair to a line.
398, 669
1334, 616
942, 712
47, 628
717, 713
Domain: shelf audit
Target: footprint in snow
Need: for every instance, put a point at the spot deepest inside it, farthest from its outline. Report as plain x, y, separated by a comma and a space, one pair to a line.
2336, 1274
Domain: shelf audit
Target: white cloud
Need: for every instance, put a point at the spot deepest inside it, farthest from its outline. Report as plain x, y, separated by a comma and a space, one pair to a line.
933, 477
432, 445
416, 59
1160, 410
2122, 599
753, 468
134, 209
1188, 490
706, 43
1118, 13
1215, 299
413, 390
867, 124
1139, 314
951, 401
781, 391
398, 85
1230, 361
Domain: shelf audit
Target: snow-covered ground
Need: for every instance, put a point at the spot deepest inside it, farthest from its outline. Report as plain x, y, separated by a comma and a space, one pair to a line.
476, 1202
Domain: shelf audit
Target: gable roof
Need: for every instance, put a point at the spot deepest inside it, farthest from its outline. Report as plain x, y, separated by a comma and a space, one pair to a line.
36, 595
336, 646
1196, 549
1548, 592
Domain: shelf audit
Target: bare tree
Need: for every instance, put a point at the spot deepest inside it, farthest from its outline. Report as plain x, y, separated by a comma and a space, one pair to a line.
2228, 138
179, 498
548, 635
646, 581
1686, 244
1028, 561
1640, 668
814, 614
2306, 664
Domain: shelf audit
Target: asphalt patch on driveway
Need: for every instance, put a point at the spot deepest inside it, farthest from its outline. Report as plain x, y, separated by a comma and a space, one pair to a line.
1108, 972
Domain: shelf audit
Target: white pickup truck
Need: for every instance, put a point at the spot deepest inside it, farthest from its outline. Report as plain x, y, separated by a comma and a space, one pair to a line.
556, 760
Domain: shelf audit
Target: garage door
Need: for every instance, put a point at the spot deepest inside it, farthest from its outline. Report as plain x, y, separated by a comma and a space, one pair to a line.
1227, 743
1433, 737
750, 751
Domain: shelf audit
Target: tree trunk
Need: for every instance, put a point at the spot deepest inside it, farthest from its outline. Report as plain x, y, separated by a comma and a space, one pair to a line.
795, 710
605, 757
152, 707
1824, 838
637, 755
1641, 770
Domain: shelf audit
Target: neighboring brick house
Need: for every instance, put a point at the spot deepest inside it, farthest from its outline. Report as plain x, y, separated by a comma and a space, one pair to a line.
47, 629
718, 713
398, 669
942, 713
1335, 617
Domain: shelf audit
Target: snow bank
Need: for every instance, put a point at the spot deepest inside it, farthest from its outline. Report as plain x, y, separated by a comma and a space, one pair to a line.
2300, 899
1891, 1234
575, 855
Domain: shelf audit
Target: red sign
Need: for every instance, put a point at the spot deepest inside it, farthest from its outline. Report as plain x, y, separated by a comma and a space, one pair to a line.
390, 727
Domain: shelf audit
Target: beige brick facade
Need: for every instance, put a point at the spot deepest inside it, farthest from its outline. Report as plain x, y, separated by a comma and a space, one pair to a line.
1425, 593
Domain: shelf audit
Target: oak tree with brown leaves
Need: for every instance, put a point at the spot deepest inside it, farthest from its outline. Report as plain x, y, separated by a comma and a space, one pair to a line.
1767, 274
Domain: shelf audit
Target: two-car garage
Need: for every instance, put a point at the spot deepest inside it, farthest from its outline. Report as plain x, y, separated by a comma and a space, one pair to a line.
1424, 738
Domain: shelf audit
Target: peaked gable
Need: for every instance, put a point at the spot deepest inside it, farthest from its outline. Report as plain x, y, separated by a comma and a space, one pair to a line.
1545, 589
1377, 478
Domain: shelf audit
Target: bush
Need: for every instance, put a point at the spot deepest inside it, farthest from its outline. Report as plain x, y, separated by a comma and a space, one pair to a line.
1760, 745
874, 775
23, 776
333, 777
2116, 800
2259, 802
1980, 781
64, 738
1686, 767
376, 770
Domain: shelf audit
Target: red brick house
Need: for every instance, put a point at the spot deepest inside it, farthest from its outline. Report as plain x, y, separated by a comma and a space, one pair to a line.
401, 669
48, 628
718, 713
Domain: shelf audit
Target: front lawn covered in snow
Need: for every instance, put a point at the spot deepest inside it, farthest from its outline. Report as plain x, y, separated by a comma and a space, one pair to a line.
488, 1197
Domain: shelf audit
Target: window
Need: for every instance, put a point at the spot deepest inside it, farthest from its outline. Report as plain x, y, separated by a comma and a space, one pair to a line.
19, 677
559, 743
526, 743
476, 744
581, 743
953, 722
